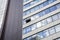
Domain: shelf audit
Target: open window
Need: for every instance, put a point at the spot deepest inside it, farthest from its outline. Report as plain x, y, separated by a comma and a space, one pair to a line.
28, 20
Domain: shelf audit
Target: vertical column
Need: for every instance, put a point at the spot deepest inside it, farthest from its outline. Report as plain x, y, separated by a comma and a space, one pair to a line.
13, 21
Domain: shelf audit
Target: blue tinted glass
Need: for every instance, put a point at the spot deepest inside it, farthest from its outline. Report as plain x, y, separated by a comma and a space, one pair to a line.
45, 3
50, 1
45, 33
32, 10
36, 8
41, 5
58, 5
24, 31
28, 29
47, 11
27, 12
41, 14
40, 34
53, 8
27, 5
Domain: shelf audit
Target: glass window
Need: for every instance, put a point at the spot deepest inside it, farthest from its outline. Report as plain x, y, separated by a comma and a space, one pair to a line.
43, 13
27, 5
36, 8
32, 10
25, 39
38, 24
58, 6
40, 35
45, 33
47, 11
57, 28
27, 12
28, 29
33, 17
52, 8
29, 38
50, 1
32, 3
43, 22
34, 36
59, 15
41, 5
36, 16
45, 3
52, 30
55, 17
24, 31
33, 27
49, 20
40, 14
37, 0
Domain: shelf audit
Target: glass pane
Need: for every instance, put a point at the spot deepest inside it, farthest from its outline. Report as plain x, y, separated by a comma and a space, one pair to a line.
29, 38
43, 22
58, 6
47, 11
55, 17
36, 16
50, 1
33, 27
40, 35
33, 17
41, 5
28, 29
59, 15
45, 33
36, 8
52, 30
24, 31
32, 10
53, 8
38, 24
45, 3
49, 20
27, 12
57, 28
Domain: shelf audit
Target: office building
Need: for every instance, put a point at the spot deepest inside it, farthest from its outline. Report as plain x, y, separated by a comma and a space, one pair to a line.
41, 20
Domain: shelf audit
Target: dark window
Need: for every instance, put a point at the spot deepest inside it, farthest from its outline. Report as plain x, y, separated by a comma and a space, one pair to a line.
28, 20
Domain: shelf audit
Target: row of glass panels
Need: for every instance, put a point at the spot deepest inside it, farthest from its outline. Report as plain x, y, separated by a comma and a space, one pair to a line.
42, 13
31, 3
41, 23
38, 7
46, 33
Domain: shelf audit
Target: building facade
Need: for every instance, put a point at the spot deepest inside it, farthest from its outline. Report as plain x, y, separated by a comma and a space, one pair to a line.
41, 20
